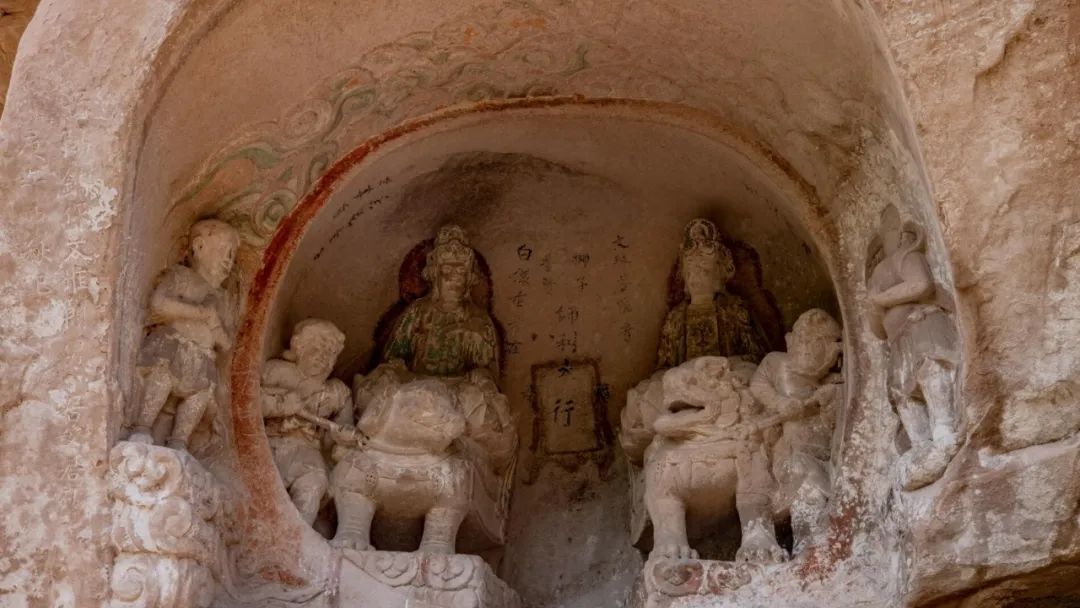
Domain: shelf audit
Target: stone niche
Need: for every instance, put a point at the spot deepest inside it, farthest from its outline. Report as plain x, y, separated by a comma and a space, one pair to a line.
572, 141
579, 252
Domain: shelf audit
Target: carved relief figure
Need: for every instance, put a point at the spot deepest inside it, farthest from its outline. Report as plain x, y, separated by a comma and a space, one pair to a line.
709, 321
798, 391
444, 333
705, 461
441, 441
297, 396
923, 351
190, 321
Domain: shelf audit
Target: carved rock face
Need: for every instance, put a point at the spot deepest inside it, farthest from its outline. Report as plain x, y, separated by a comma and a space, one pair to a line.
418, 414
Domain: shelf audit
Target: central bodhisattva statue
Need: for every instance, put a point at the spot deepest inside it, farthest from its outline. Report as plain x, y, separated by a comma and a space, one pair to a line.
440, 440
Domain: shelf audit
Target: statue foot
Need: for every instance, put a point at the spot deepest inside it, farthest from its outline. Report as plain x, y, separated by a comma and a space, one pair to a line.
760, 547
355, 544
440, 548
920, 467
177, 444
673, 551
141, 437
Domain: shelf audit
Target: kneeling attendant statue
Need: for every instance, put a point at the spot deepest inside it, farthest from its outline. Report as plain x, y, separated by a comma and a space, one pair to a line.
298, 396
441, 443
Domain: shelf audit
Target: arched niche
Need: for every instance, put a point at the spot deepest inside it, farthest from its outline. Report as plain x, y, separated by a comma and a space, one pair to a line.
268, 115
337, 255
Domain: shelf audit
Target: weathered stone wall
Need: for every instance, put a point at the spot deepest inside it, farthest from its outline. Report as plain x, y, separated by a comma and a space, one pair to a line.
995, 95
115, 108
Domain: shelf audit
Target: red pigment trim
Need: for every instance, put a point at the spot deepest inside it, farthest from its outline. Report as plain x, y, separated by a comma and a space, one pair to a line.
281, 537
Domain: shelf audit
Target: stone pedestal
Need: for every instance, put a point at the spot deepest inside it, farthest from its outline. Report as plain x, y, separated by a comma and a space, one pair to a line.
665, 581
387, 579
168, 518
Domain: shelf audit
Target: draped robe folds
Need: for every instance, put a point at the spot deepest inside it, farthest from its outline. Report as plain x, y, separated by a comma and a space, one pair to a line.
435, 342
724, 329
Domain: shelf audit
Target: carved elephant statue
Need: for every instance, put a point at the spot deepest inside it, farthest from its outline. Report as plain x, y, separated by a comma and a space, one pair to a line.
438, 449
692, 430
406, 467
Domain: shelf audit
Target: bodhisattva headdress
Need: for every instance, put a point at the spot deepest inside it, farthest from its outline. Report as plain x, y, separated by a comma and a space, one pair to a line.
702, 238
451, 247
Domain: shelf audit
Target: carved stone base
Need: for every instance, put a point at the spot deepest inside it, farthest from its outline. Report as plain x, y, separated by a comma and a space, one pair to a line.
387, 579
168, 516
667, 580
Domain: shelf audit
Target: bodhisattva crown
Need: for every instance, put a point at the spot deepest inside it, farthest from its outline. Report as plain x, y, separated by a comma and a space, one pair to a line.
451, 247
701, 237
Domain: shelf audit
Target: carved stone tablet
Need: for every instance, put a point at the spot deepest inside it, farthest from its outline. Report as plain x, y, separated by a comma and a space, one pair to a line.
565, 399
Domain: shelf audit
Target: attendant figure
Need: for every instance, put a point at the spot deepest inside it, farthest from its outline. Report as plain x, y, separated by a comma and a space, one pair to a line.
297, 392
923, 351
799, 391
190, 323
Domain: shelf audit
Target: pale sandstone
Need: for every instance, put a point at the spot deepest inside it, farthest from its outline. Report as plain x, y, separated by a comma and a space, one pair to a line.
792, 124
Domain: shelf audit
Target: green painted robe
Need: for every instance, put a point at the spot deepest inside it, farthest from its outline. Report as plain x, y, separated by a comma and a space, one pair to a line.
725, 329
434, 342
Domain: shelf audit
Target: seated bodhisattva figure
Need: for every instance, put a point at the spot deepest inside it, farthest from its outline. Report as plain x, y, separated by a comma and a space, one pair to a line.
444, 333
298, 396
190, 322
692, 432
433, 415
709, 321
799, 392
923, 351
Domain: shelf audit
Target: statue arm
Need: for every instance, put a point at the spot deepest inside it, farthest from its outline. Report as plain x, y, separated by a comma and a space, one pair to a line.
166, 304
334, 399
278, 398
489, 351
667, 354
764, 391
917, 284
400, 344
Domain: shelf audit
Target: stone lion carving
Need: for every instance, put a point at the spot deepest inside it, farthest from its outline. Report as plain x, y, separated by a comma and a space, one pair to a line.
441, 444
695, 430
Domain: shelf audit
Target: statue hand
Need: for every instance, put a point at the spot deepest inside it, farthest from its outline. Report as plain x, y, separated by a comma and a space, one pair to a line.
221, 338
345, 436
479, 376
291, 403
826, 394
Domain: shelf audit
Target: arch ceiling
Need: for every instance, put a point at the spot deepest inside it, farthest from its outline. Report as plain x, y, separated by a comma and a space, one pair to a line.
278, 92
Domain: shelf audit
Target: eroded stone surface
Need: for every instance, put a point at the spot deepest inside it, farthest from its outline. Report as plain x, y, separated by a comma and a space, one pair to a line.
102, 134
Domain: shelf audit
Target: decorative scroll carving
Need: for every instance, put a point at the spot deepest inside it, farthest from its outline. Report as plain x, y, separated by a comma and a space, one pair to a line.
507, 57
672, 578
168, 517
909, 312
190, 321
425, 579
